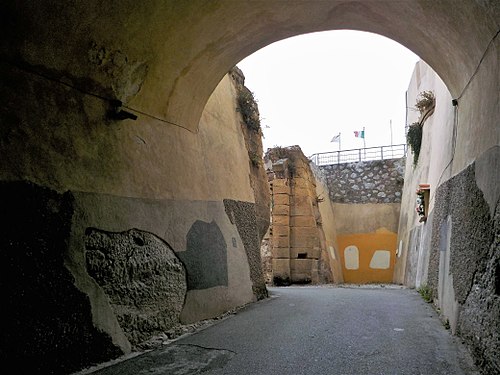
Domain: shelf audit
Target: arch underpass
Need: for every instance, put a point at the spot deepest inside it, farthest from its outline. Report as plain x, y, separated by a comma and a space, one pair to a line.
78, 171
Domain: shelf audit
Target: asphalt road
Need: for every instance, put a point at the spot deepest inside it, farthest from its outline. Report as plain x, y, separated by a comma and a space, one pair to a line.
316, 331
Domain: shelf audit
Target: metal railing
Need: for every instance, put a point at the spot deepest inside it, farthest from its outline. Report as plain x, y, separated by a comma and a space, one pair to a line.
359, 154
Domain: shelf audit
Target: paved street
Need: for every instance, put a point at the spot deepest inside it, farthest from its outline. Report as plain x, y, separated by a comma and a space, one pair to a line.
316, 330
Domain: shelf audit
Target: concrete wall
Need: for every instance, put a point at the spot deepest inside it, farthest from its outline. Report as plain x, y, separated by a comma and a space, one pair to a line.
455, 252
107, 216
328, 225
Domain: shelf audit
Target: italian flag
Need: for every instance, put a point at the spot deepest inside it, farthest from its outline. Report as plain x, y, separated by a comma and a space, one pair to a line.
359, 133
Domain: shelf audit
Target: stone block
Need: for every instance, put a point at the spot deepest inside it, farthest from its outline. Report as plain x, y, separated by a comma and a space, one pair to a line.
303, 192
301, 278
280, 231
281, 241
301, 265
281, 253
281, 189
281, 199
304, 209
303, 221
301, 183
281, 268
281, 220
281, 209
314, 253
298, 200
305, 237
280, 182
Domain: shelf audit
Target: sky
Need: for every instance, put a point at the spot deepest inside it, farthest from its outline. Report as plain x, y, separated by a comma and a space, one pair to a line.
312, 87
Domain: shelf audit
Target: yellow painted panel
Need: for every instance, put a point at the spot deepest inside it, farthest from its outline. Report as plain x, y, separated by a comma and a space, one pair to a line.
368, 244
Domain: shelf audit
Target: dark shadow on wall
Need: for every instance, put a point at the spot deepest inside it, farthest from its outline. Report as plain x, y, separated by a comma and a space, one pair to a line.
47, 323
205, 258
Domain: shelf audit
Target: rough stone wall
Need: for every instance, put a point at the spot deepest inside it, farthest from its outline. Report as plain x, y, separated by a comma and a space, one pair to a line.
474, 254
253, 144
455, 251
266, 247
143, 278
242, 214
379, 181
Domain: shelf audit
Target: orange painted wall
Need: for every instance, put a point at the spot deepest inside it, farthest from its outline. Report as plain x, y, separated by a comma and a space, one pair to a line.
367, 244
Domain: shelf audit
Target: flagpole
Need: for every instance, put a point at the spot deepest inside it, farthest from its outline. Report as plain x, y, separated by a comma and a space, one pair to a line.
364, 140
392, 150
339, 141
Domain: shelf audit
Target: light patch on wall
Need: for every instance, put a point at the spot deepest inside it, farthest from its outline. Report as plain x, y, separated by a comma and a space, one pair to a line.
351, 257
332, 252
381, 260
398, 250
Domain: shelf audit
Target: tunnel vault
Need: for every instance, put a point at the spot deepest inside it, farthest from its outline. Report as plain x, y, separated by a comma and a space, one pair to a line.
187, 47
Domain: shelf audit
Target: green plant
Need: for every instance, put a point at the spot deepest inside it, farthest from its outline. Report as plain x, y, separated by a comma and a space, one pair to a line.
414, 139
247, 106
255, 159
425, 100
426, 293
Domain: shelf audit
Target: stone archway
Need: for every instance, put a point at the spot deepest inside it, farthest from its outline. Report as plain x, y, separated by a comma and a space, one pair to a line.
65, 64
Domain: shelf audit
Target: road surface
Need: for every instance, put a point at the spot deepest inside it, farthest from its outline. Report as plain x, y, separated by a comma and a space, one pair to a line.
316, 330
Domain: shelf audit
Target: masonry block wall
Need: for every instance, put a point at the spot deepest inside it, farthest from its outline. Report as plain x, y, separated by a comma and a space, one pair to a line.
378, 181
299, 254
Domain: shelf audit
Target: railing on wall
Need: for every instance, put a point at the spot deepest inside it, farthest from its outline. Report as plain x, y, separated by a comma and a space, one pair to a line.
359, 154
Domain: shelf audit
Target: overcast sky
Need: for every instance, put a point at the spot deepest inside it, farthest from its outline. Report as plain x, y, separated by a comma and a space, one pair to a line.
311, 87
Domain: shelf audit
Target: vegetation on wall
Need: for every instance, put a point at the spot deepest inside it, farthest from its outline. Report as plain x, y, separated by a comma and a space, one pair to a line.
247, 106
425, 101
425, 104
414, 139
289, 153
255, 158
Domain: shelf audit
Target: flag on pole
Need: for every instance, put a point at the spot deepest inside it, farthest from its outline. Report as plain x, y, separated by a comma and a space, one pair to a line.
336, 138
359, 133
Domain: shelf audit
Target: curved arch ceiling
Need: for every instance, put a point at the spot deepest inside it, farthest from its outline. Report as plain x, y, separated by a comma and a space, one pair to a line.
190, 45
449, 36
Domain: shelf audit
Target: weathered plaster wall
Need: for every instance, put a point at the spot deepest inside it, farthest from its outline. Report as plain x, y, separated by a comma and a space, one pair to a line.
368, 257
455, 251
161, 226
378, 181
328, 224
362, 230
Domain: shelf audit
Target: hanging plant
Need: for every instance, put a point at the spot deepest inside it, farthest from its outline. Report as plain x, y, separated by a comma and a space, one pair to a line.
425, 101
414, 139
